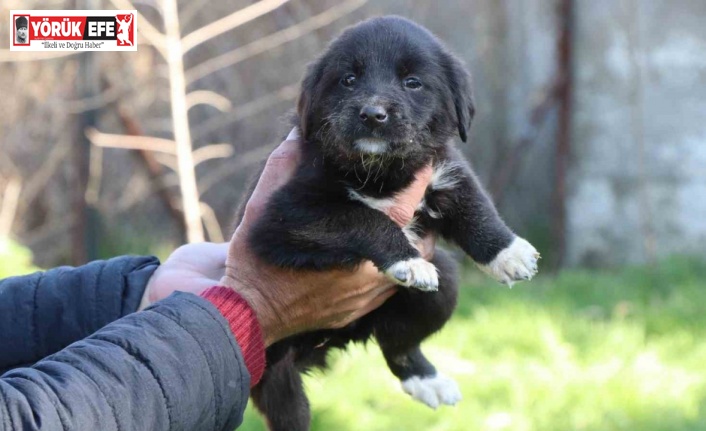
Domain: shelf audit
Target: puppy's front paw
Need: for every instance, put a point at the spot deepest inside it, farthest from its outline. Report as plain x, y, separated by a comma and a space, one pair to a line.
517, 262
416, 272
433, 391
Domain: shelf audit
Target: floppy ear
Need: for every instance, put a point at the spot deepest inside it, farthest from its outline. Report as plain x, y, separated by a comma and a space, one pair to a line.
304, 104
459, 86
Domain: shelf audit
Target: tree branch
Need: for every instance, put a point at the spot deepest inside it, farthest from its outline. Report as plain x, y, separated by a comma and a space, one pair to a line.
215, 234
213, 151
147, 143
228, 23
272, 41
167, 160
95, 176
227, 169
8, 206
288, 92
205, 97
180, 120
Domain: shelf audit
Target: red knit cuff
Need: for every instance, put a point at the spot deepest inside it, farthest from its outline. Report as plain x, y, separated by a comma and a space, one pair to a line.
244, 326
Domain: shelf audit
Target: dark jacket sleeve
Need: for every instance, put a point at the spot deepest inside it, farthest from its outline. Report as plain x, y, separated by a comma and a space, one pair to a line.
44, 312
173, 366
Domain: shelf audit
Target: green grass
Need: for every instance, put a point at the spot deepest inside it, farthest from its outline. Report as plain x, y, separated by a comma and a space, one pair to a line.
14, 259
585, 350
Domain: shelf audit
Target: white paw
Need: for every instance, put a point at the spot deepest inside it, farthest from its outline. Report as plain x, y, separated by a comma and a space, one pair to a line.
416, 272
516, 263
433, 391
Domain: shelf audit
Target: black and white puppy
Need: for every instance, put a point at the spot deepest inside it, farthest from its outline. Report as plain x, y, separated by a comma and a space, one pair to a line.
384, 100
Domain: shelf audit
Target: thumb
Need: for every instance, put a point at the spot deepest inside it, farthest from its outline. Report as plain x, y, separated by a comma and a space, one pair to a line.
406, 202
280, 167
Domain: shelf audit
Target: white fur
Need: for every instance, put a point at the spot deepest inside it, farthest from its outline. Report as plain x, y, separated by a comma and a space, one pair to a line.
381, 205
433, 391
445, 176
411, 233
433, 214
415, 272
371, 145
516, 263
423, 207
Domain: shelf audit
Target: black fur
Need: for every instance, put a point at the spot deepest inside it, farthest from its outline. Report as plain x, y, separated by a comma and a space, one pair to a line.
312, 222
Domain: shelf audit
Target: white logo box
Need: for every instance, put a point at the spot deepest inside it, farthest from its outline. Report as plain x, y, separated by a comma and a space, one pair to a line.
76, 30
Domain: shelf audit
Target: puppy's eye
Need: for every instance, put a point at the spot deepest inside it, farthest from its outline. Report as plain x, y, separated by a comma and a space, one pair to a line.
413, 83
348, 80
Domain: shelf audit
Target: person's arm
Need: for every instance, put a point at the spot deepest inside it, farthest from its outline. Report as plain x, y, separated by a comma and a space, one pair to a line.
175, 365
44, 312
183, 363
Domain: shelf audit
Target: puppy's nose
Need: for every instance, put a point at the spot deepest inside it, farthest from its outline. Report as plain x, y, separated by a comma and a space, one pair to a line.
373, 116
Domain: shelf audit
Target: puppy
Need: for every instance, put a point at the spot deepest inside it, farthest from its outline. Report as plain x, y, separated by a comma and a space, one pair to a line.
384, 100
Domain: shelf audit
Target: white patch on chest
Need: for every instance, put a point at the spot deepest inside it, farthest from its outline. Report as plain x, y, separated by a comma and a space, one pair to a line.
410, 230
446, 175
377, 204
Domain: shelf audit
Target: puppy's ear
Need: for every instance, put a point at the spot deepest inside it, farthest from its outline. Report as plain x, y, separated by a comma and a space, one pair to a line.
459, 85
304, 104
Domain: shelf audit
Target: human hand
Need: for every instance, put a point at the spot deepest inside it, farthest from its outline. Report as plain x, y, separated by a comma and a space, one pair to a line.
287, 302
190, 268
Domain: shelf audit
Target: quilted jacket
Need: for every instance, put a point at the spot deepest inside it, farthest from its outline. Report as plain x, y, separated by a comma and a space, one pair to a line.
74, 355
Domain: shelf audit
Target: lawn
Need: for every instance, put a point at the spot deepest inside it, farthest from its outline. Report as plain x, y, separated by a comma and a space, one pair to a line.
584, 350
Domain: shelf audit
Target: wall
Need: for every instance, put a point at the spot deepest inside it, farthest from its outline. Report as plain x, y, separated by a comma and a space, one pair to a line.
638, 177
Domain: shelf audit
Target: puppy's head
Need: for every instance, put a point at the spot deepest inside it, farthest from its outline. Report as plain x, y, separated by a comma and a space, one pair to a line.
386, 87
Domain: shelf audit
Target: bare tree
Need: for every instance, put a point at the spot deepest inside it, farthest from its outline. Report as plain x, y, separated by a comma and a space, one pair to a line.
8, 206
172, 47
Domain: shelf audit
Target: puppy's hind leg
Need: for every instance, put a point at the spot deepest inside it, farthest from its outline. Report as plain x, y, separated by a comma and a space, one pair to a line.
404, 321
423, 382
281, 399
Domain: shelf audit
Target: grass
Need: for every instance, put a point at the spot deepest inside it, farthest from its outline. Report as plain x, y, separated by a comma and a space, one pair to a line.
14, 259
584, 350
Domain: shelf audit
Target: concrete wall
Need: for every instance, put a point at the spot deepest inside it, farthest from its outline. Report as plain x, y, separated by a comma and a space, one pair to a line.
638, 172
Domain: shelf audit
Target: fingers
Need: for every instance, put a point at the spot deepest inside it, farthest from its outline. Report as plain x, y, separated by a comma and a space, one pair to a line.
203, 256
279, 169
374, 303
213, 260
213, 252
406, 202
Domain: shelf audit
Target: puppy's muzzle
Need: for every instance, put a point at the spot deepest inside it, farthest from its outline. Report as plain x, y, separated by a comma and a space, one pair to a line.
371, 145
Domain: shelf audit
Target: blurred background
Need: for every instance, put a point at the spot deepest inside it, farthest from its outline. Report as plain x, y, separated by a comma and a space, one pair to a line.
590, 136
